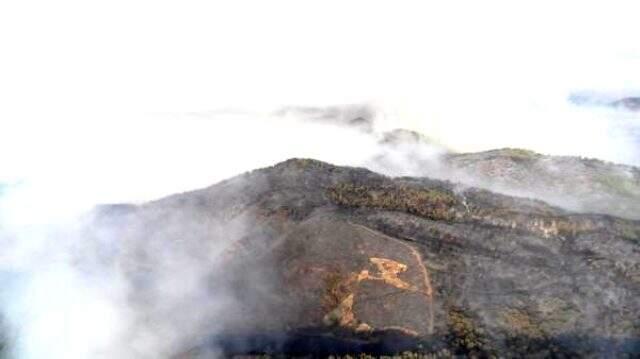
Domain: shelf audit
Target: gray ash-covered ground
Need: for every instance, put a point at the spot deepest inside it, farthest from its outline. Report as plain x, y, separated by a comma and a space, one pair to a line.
336, 260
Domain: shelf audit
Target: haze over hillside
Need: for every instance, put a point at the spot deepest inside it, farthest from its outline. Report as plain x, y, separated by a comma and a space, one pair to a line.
449, 178
308, 257
251, 264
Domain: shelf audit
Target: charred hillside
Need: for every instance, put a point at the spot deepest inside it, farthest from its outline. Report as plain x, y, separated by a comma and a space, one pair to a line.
317, 258
579, 184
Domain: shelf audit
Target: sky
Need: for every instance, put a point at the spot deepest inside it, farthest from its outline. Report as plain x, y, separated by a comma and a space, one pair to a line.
127, 100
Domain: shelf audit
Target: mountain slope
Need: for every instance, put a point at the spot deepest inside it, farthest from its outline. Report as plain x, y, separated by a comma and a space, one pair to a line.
585, 185
574, 183
313, 257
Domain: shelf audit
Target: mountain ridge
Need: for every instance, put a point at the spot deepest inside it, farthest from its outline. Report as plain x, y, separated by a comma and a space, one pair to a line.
336, 260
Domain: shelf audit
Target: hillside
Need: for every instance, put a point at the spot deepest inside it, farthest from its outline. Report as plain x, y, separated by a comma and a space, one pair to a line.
309, 257
578, 184
574, 183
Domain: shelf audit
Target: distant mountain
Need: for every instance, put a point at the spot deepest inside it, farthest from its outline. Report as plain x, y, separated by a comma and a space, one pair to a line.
585, 185
359, 116
574, 183
627, 103
334, 260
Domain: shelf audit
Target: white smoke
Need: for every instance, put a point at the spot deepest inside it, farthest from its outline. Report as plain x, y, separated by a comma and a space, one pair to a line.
133, 100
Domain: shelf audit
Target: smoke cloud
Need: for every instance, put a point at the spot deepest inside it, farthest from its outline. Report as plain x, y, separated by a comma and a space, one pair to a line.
132, 101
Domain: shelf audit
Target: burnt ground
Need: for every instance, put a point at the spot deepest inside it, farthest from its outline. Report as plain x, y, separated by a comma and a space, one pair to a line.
350, 261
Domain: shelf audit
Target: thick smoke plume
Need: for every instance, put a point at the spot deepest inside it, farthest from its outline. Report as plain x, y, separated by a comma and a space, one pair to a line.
132, 101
